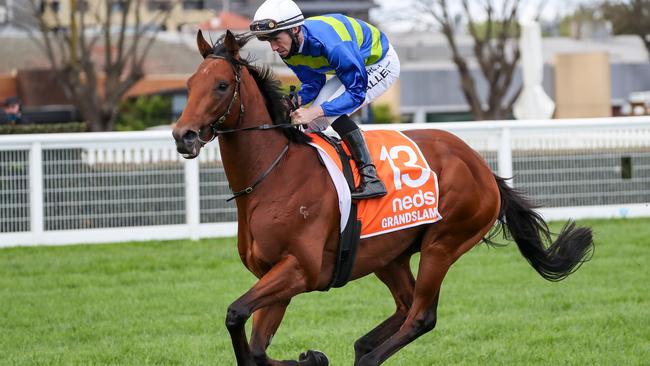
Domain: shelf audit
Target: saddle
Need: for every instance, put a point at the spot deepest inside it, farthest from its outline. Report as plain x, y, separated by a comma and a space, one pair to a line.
412, 191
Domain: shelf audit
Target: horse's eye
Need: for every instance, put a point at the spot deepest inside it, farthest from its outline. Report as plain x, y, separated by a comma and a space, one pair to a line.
222, 86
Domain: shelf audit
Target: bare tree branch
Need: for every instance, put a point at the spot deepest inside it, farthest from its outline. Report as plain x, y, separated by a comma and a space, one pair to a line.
120, 40
48, 48
108, 42
495, 49
32, 34
123, 58
489, 11
164, 17
629, 17
540, 9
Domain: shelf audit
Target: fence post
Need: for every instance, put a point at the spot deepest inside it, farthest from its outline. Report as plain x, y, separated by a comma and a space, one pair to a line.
420, 116
192, 197
36, 192
505, 155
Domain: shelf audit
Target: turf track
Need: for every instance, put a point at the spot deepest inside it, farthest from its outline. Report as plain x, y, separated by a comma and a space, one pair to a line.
164, 303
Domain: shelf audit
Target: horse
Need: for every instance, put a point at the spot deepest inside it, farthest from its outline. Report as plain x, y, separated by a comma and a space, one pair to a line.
288, 214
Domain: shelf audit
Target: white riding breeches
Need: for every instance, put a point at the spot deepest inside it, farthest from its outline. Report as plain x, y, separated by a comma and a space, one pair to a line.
381, 76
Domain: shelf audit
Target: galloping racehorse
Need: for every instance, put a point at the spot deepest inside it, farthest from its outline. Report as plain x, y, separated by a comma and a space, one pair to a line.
278, 178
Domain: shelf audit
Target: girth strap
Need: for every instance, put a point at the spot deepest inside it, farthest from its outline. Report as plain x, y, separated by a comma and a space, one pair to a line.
349, 239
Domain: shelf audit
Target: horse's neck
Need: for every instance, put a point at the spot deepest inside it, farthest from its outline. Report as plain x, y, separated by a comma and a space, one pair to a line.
247, 154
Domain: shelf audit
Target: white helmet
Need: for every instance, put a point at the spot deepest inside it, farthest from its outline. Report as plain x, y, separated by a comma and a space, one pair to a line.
276, 15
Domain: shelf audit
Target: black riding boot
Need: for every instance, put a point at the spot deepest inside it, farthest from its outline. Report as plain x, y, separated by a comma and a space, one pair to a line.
371, 186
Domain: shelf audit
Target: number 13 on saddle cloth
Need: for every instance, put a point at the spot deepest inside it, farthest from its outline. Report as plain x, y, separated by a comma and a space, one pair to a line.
412, 186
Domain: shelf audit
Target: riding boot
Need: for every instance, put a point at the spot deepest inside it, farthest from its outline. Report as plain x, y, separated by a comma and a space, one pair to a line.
371, 186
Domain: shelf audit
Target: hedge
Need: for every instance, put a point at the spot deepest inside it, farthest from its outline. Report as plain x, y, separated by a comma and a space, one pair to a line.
43, 128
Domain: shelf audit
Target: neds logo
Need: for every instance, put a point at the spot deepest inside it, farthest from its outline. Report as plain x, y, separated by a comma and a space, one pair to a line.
417, 200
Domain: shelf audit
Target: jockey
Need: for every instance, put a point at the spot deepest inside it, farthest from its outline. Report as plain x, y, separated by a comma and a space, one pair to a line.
362, 60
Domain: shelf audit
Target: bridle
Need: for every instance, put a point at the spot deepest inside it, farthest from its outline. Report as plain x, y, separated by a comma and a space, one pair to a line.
214, 128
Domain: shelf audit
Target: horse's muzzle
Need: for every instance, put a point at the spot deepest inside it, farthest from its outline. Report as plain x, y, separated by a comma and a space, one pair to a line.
188, 145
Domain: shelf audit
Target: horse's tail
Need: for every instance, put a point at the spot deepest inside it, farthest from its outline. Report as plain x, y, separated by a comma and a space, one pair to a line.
528, 229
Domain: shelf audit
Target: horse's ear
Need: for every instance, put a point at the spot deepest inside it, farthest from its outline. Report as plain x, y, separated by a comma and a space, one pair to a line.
204, 47
232, 46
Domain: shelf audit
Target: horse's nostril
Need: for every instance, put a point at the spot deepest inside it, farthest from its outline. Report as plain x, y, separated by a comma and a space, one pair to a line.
189, 137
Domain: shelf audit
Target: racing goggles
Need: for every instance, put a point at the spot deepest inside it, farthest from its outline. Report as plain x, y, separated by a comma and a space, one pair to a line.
264, 29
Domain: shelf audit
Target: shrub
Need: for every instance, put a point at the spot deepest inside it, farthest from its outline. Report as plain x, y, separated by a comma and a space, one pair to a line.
382, 114
143, 112
43, 128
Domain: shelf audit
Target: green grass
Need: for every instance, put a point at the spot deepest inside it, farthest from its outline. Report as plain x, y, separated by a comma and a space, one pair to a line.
164, 303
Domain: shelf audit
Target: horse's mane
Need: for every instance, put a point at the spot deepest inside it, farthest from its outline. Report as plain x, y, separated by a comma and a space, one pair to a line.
270, 87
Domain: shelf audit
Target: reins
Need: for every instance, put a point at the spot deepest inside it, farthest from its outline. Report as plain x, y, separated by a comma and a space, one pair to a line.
214, 128
265, 126
259, 180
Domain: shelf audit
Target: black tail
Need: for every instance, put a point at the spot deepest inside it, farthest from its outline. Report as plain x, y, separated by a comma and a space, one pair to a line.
573, 246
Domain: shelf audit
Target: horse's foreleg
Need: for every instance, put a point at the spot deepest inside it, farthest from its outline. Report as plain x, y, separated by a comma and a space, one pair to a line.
265, 323
285, 280
398, 278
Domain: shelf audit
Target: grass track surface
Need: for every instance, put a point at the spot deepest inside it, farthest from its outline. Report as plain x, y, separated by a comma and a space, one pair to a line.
164, 303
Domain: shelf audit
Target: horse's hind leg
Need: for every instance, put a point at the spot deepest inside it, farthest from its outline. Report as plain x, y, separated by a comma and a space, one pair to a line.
398, 278
440, 249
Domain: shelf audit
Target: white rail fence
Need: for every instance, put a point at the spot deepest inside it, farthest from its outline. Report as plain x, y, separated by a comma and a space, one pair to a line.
109, 187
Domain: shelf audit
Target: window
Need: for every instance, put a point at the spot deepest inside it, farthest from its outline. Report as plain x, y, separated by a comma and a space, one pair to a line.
118, 5
82, 6
193, 4
178, 104
159, 5
407, 118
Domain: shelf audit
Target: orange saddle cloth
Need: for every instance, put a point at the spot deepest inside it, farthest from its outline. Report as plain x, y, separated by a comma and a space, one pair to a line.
412, 186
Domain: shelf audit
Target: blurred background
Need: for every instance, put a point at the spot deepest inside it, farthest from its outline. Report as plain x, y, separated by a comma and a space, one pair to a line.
553, 93
122, 65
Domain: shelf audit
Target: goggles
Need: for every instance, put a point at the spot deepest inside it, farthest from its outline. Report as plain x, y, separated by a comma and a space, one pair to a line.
267, 36
264, 29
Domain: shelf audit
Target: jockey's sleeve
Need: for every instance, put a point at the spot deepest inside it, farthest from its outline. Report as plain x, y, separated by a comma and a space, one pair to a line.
312, 82
348, 64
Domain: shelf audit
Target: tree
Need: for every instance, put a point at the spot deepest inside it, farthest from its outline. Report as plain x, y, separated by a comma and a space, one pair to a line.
495, 48
629, 17
572, 24
112, 28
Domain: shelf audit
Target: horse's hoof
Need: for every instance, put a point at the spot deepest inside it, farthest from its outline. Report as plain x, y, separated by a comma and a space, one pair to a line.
313, 358
367, 360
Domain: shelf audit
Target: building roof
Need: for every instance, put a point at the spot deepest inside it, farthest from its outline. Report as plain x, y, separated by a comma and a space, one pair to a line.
176, 53
226, 20
165, 57
335, 6
621, 49
431, 50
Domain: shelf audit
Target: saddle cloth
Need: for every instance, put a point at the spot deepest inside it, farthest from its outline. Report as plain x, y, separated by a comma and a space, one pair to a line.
412, 186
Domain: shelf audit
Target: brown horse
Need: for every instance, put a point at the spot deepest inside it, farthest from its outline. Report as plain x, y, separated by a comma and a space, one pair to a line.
293, 253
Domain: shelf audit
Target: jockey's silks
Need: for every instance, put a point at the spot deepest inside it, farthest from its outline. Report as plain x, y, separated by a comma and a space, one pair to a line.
342, 45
